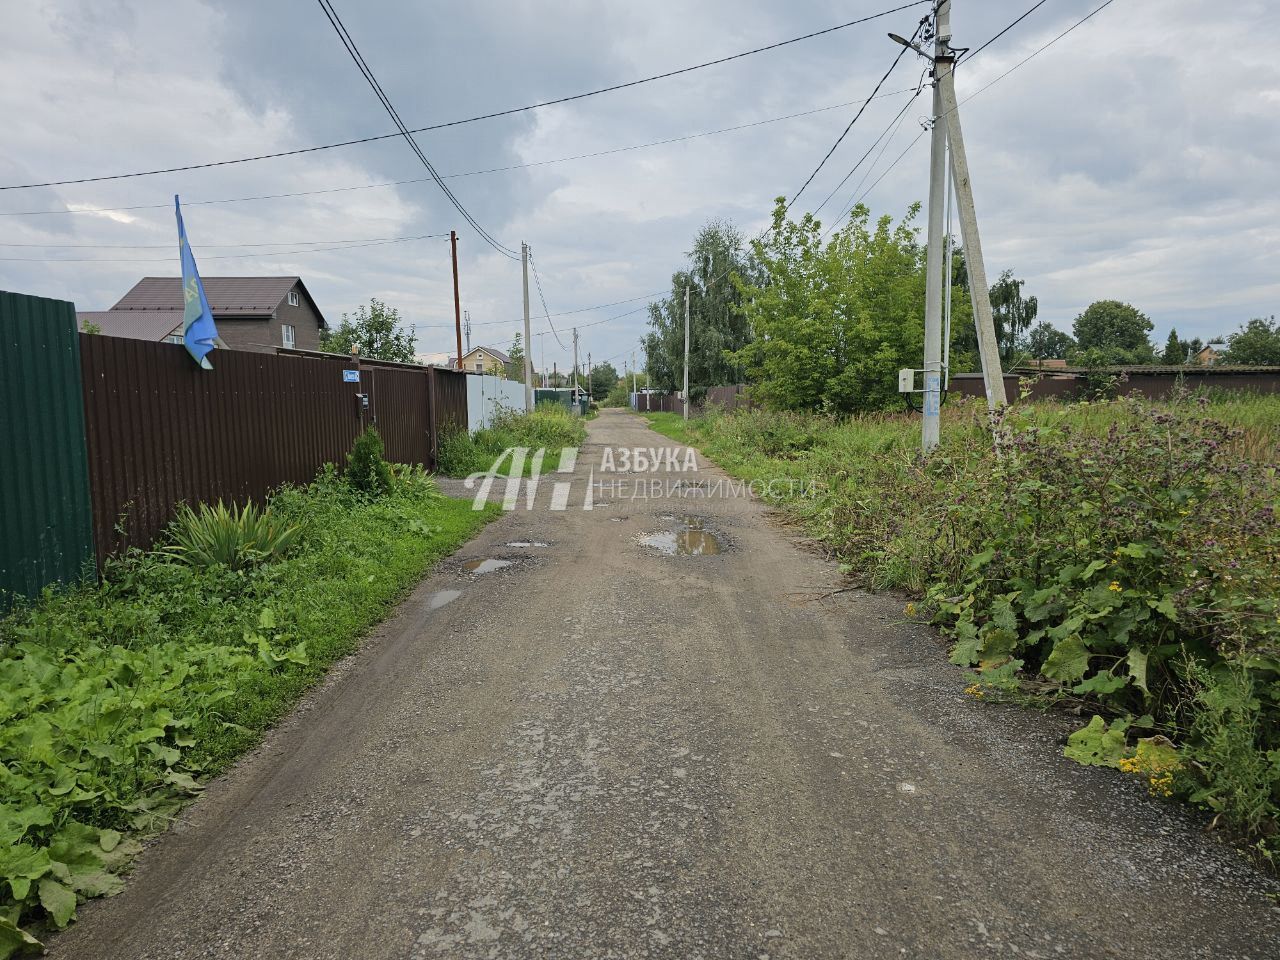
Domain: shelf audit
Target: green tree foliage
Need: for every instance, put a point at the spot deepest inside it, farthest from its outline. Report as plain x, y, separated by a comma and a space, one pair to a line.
1256, 342
367, 471
1178, 351
515, 369
1047, 342
1111, 332
1012, 313
604, 377
374, 331
716, 322
833, 322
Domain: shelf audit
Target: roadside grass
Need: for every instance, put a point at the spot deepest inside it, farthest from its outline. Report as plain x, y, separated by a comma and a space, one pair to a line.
1121, 558
118, 698
550, 426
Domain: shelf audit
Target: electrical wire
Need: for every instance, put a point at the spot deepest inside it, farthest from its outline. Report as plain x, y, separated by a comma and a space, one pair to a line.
453, 176
840, 139
1031, 56
234, 256
1007, 29
485, 116
538, 282
203, 246
358, 58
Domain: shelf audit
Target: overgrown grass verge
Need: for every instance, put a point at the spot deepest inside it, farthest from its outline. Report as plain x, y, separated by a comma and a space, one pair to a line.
1121, 558
118, 699
550, 426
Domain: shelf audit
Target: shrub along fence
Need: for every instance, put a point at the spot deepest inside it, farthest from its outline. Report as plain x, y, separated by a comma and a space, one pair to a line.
158, 431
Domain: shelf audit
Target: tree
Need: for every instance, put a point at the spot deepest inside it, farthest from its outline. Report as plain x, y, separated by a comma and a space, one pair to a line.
1256, 342
374, 331
515, 368
604, 377
1115, 332
1012, 314
716, 322
1047, 342
832, 322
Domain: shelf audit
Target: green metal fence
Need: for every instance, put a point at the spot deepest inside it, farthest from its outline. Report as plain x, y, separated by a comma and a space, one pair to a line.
45, 519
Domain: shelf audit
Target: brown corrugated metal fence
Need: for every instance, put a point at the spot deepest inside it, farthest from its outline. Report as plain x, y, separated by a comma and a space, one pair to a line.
161, 431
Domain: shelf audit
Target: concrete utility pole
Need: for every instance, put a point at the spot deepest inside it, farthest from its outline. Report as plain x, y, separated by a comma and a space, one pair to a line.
634, 390
575, 368
933, 292
979, 290
457, 302
686, 352
591, 387
466, 327
528, 347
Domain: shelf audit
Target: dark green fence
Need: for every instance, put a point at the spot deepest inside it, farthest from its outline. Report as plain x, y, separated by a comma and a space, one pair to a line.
45, 521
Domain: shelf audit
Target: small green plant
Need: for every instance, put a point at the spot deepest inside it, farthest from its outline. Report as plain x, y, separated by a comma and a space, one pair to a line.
236, 539
367, 471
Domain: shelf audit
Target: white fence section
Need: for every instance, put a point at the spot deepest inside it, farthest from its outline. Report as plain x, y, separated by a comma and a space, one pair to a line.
488, 395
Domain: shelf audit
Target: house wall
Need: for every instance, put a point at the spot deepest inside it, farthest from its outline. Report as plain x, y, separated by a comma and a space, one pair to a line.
492, 365
306, 324
254, 336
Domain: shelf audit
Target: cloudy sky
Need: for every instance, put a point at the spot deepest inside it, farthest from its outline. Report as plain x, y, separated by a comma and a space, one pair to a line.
1135, 159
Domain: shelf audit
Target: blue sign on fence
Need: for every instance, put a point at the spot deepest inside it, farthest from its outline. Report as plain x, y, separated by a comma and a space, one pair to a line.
350, 376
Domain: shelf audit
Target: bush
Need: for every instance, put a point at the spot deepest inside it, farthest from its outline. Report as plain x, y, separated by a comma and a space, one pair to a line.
234, 538
551, 427
367, 471
1121, 557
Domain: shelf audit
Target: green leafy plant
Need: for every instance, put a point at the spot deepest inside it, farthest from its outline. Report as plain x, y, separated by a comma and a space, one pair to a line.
234, 538
119, 698
550, 426
367, 471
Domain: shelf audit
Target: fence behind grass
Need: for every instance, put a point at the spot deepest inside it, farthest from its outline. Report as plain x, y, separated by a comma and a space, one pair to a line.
109, 435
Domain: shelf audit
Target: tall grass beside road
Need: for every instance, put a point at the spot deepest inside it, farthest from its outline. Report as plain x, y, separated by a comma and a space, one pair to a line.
1122, 558
550, 426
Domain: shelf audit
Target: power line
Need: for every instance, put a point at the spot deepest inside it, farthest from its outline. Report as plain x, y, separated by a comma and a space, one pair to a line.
206, 246
538, 281
1031, 56
840, 139
235, 256
364, 68
485, 116
453, 176
897, 119
1008, 28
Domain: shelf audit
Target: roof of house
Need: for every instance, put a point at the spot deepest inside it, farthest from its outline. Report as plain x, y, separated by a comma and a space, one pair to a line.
134, 324
493, 352
229, 297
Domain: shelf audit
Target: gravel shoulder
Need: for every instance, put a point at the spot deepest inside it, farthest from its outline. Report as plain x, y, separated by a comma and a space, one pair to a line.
600, 750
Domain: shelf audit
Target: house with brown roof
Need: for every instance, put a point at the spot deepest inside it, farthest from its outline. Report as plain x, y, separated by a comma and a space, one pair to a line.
488, 360
258, 314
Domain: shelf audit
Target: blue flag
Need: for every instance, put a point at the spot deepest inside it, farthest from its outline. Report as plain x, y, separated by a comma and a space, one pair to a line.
198, 330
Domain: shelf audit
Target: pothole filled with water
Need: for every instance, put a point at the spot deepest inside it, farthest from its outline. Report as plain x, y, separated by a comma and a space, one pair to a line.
690, 539
442, 597
485, 566
526, 544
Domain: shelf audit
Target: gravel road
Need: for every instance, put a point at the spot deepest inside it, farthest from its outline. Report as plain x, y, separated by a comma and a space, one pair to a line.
601, 750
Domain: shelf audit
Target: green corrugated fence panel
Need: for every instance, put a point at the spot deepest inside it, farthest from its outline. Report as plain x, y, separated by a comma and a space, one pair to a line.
45, 520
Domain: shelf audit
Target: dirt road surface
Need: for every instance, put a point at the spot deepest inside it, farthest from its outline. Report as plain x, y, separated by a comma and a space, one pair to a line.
603, 751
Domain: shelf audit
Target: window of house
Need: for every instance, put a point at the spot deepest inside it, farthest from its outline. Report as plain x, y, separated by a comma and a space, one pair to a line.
174, 338
294, 299
290, 335
479, 366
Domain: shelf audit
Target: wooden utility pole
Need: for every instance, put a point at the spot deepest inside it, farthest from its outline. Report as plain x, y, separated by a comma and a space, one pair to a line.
457, 301
686, 352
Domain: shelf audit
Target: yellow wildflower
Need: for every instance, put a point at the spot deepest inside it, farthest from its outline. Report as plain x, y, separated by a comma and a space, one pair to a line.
1115, 586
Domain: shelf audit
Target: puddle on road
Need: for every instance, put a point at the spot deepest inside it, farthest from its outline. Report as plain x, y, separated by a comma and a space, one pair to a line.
485, 566
526, 544
442, 597
691, 541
